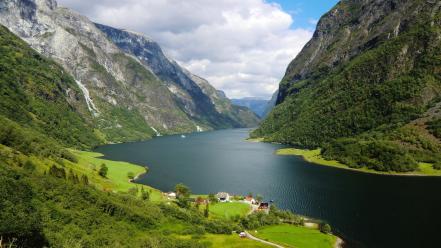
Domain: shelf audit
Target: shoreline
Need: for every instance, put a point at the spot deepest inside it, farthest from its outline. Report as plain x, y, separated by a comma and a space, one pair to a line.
314, 157
101, 158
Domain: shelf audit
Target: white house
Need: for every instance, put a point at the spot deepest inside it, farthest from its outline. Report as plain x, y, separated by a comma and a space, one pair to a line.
171, 195
223, 197
250, 200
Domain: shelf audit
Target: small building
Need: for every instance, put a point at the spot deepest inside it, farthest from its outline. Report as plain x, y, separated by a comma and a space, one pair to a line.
201, 201
223, 197
171, 195
250, 200
263, 206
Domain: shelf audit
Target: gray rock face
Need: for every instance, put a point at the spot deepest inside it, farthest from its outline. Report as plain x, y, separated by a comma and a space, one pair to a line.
127, 89
131, 89
198, 98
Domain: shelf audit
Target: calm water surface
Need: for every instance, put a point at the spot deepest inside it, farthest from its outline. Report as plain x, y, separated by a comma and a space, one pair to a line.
367, 210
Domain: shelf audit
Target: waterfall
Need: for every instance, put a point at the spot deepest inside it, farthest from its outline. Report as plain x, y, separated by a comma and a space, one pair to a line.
90, 105
199, 129
156, 131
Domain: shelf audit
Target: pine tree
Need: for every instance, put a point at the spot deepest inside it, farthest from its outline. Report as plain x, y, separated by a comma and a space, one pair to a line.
103, 170
207, 210
84, 180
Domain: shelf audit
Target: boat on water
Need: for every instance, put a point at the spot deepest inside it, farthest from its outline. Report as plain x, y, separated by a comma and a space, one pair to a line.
183, 136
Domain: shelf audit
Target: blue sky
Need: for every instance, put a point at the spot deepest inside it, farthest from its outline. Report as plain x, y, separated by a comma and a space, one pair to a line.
304, 12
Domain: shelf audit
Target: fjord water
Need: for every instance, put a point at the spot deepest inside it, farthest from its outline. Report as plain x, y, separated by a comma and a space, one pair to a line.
367, 210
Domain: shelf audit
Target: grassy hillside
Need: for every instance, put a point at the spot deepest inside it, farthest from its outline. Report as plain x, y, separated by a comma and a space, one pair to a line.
57, 207
371, 93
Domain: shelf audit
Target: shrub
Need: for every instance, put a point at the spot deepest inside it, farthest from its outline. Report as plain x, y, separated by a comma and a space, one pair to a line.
325, 228
103, 170
131, 175
145, 195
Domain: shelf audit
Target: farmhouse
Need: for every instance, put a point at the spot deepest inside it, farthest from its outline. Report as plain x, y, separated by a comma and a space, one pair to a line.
171, 195
263, 206
223, 197
250, 200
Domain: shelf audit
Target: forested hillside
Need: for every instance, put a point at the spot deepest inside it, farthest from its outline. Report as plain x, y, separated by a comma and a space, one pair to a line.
367, 87
39, 95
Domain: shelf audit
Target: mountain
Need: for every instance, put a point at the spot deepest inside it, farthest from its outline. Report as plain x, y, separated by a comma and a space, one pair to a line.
366, 88
256, 105
125, 99
239, 114
199, 99
259, 106
41, 104
271, 103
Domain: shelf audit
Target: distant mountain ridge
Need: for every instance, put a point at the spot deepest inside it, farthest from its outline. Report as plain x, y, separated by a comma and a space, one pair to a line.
125, 99
257, 105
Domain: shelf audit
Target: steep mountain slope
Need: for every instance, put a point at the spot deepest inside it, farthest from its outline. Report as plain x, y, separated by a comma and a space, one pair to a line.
127, 99
271, 104
124, 98
239, 114
257, 105
198, 98
370, 72
38, 94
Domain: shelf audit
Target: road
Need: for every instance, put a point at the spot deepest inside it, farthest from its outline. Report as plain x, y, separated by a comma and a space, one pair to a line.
262, 241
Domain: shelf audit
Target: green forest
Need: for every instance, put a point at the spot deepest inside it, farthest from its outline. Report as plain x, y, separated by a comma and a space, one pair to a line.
377, 110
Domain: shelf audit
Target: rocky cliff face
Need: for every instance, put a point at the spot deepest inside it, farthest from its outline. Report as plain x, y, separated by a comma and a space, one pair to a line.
128, 94
197, 97
370, 74
123, 97
243, 116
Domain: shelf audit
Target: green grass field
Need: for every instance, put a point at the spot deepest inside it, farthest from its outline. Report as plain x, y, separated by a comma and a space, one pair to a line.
315, 157
230, 241
229, 209
295, 236
117, 179
255, 139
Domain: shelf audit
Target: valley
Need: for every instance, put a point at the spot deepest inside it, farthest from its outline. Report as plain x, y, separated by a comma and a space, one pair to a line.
110, 138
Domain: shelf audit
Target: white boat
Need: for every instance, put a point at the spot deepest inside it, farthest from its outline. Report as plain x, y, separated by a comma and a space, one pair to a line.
183, 136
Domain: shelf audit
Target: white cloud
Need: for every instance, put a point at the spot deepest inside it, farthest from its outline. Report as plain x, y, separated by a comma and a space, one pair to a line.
241, 47
312, 21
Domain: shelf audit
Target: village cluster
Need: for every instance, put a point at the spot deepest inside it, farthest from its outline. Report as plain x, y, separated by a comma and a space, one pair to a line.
256, 205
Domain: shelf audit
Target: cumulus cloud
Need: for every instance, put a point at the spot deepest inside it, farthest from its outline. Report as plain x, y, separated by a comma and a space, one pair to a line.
241, 47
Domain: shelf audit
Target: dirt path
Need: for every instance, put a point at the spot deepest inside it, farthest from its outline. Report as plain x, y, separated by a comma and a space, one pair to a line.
262, 241
338, 243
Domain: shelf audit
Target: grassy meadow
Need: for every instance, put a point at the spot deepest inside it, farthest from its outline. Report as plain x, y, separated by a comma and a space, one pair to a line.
229, 209
295, 236
117, 175
314, 156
